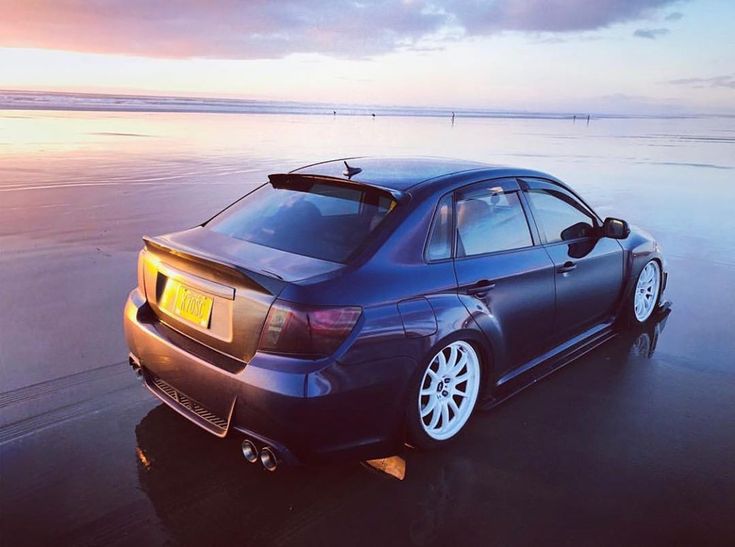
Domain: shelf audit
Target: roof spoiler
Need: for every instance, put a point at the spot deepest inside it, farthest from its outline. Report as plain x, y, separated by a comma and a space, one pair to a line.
284, 180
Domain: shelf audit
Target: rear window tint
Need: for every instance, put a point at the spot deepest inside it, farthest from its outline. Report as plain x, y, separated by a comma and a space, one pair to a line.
311, 218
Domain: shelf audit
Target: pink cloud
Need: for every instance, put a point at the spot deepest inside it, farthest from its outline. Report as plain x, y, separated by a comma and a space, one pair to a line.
262, 29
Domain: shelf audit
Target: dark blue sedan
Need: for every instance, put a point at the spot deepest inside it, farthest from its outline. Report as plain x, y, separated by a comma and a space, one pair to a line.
349, 307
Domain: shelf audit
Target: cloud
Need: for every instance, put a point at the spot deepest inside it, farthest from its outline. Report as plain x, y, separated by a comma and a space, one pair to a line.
725, 80
482, 16
223, 29
255, 29
674, 16
650, 33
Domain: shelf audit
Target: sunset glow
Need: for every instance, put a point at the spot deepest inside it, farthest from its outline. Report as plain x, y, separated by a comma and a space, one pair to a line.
271, 272
611, 56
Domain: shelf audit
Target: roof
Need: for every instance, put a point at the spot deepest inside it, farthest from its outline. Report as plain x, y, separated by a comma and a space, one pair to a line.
394, 173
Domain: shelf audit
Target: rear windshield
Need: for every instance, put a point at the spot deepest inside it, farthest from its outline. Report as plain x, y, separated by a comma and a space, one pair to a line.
311, 218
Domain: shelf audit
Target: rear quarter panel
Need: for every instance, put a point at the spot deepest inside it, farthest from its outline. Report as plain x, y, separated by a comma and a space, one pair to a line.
388, 345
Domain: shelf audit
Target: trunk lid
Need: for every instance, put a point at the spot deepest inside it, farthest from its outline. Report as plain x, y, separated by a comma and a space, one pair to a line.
216, 289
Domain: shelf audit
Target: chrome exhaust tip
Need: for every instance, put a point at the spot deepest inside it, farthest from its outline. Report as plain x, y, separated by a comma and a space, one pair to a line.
268, 459
249, 451
135, 365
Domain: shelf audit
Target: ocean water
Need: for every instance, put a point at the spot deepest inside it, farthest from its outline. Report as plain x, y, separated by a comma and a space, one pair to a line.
154, 103
79, 189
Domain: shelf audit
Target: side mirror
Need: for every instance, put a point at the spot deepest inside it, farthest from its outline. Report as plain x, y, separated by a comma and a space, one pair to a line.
615, 228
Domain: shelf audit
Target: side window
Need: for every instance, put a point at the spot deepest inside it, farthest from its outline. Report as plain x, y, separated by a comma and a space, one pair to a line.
560, 216
440, 238
490, 220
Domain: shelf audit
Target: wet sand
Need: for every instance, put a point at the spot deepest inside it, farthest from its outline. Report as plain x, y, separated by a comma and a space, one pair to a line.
624, 446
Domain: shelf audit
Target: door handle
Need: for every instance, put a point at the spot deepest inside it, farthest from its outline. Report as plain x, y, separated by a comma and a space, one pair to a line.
480, 288
567, 267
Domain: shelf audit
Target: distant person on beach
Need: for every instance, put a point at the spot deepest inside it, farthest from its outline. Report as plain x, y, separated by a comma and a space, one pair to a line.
373, 114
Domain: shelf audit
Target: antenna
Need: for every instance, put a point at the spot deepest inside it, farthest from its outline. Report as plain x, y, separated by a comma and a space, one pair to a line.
349, 172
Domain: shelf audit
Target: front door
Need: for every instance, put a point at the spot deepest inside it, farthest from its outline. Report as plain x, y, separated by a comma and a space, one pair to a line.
589, 268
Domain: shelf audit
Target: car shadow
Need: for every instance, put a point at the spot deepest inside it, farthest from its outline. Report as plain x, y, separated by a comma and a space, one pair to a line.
511, 461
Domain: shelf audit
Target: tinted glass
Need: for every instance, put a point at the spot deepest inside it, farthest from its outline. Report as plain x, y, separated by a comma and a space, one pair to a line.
560, 216
490, 220
321, 220
440, 239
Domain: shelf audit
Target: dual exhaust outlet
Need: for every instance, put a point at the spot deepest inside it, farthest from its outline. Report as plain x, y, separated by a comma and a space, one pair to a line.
134, 363
266, 455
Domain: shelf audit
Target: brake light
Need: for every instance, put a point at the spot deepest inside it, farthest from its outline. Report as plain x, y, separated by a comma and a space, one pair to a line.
313, 331
141, 271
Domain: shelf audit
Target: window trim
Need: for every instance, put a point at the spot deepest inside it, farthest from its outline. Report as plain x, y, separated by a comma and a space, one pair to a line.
523, 182
509, 184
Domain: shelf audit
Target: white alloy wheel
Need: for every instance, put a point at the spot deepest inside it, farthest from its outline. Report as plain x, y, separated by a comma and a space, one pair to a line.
449, 390
646, 291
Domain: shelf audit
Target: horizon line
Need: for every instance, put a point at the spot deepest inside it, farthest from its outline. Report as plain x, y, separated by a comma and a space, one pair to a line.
216, 106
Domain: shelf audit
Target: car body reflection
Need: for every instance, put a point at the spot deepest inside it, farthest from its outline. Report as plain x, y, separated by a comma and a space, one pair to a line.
201, 491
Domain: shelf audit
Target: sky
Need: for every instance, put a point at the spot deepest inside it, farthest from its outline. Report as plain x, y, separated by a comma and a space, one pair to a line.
615, 56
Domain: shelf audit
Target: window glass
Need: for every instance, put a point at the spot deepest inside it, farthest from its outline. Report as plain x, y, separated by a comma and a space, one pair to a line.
560, 216
317, 219
332, 200
490, 220
440, 240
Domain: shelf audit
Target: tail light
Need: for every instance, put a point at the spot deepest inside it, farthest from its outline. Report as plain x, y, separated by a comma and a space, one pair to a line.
311, 331
141, 271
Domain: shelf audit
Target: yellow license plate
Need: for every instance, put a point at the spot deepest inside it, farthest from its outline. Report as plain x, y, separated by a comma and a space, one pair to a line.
193, 306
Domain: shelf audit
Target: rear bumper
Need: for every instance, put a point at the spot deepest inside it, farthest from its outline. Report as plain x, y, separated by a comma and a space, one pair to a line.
306, 410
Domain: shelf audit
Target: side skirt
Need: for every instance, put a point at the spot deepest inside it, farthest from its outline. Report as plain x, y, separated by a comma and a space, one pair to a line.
525, 376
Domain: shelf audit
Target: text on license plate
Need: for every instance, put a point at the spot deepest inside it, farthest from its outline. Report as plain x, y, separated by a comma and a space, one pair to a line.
192, 305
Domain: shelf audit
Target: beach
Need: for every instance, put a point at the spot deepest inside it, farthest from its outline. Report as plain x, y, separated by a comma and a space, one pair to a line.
78, 190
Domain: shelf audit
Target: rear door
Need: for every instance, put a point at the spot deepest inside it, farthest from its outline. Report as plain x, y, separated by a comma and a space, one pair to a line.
589, 268
506, 279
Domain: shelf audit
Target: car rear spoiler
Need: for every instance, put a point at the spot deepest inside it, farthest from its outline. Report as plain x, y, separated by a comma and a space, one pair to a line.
284, 180
267, 282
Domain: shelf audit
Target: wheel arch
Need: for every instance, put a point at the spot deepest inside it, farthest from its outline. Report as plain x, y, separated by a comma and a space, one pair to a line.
637, 261
485, 357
